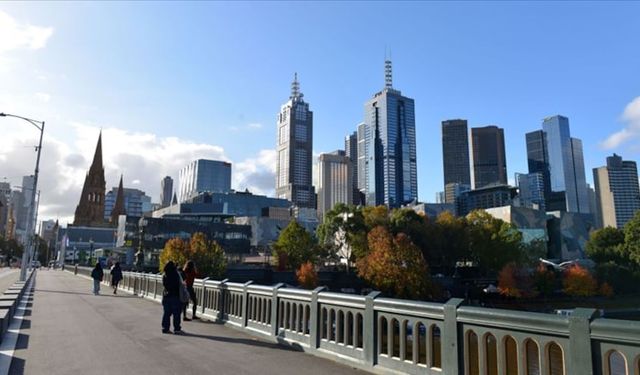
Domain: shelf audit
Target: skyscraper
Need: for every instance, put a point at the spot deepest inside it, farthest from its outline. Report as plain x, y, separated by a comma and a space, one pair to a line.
617, 191
166, 190
489, 161
566, 164
391, 176
135, 202
351, 151
335, 180
361, 165
90, 209
294, 150
531, 190
455, 153
204, 175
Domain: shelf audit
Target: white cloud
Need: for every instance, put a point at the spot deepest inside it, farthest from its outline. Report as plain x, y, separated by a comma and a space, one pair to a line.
254, 125
258, 174
43, 97
631, 131
15, 35
251, 126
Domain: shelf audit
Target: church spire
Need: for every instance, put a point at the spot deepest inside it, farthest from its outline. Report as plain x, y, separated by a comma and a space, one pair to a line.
97, 156
90, 209
118, 207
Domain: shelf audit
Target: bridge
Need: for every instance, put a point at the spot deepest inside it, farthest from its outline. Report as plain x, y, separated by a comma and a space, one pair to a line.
256, 329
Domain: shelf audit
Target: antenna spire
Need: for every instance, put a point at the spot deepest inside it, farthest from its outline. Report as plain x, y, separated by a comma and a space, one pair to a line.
388, 79
295, 87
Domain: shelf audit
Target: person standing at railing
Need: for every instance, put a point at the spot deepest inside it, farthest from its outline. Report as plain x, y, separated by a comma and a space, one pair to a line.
97, 275
189, 274
116, 276
171, 304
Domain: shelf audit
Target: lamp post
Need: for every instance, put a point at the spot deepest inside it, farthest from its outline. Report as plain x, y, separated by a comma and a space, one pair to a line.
26, 256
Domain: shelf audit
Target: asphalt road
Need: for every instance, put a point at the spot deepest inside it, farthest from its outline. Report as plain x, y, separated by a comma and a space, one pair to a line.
68, 330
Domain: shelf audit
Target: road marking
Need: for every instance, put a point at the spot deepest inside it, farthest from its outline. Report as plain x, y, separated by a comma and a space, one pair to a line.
10, 339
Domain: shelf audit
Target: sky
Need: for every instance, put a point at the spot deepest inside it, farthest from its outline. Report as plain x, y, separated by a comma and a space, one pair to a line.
169, 82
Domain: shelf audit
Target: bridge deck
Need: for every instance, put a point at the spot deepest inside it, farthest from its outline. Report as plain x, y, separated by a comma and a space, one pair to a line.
71, 331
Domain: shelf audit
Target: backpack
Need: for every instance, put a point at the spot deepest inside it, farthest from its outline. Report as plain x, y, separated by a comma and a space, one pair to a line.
182, 290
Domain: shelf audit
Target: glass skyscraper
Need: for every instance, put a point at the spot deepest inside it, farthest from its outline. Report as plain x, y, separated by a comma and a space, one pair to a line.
204, 175
455, 153
391, 176
489, 161
294, 150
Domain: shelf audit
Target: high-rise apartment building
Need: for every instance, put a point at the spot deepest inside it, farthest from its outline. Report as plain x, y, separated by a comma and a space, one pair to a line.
204, 175
391, 176
166, 191
455, 153
294, 150
489, 160
617, 191
335, 180
566, 164
351, 151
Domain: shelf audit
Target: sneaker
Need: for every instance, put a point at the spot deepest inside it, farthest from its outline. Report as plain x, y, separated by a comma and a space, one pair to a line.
166, 331
178, 332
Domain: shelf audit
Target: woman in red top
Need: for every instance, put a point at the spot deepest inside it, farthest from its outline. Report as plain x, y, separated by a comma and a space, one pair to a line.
190, 274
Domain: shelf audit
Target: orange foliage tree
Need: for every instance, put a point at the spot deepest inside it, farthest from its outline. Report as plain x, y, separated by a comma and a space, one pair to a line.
514, 281
578, 282
307, 276
394, 265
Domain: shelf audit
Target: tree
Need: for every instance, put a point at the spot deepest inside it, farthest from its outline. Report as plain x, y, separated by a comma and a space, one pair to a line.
607, 244
544, 280
493, 242
334, 232
514, 281
414, 225
208, 256
11, 249
176, 250
578, 282
296, 244
448, 240
632, 240
394, 265
307, 276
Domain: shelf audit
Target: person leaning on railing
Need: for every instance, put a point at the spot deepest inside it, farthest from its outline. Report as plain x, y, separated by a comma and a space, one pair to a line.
190, 274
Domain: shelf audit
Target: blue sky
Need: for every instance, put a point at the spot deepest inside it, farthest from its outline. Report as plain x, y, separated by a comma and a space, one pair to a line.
210, 78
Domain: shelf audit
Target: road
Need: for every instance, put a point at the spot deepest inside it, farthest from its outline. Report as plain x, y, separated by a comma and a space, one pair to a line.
68, 330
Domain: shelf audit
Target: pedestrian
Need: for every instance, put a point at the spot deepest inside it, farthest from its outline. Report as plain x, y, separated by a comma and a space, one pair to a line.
116, 276
190, 272
171, 303
97, 275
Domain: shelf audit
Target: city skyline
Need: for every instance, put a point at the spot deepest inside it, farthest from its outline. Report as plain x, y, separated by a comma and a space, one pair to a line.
147, 115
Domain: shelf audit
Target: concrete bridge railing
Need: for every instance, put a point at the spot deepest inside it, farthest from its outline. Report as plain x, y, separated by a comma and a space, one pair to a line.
389, 335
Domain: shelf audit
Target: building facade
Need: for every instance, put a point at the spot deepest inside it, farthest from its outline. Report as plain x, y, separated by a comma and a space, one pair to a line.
531, 190
233, 203
351, 151
335, 181
617, 191
90, 209
455, 153
204, 175
136, 202
294, 150
483, 198
489, 160
166, 191
391, 176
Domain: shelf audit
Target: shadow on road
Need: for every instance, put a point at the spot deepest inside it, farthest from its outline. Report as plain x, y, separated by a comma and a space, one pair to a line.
243, 341
86, 293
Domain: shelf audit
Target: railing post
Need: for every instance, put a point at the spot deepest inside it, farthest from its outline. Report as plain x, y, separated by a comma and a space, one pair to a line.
580, 359
452, 361
222, 301
314, 323
204, 294
369, 329
245, 303
274, 310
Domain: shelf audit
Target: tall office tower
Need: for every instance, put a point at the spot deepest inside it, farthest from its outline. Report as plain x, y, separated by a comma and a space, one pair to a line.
566, 164
204, 175
489, 161
361, 165
531, 190
90, 209
166, 190
390, 132
335, 180
538, 162
455, 153
294, 150
23, 205
593, 207
617, 191
351, 151
135, 202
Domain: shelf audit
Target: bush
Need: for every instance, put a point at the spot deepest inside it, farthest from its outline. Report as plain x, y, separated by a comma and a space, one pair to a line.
578, 282
307, 276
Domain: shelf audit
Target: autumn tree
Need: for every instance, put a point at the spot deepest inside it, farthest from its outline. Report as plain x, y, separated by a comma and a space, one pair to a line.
514, 281
578, 282
176, 250
294, 244
493, 242
307, 276
394, 265
448, 240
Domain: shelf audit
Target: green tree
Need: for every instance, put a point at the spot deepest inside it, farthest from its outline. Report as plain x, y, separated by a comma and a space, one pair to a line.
11, 249
448, 240
632, 240
294, 246
208, 256
492, 242
607, 244
394, 265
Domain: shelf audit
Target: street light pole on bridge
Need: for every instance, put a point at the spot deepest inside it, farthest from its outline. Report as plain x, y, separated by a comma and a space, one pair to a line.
26, 255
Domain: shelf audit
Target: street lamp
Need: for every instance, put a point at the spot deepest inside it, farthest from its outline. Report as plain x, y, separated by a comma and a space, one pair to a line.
30, 225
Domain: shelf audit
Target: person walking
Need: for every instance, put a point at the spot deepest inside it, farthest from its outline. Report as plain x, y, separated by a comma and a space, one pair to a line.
171, 304
189, 274
96, 275
116, 276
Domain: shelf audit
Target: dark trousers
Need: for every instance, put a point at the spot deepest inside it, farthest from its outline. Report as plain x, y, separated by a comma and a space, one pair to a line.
171, 305
194, 301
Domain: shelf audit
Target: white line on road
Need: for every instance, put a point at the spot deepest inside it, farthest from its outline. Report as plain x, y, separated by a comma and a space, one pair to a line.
10, 339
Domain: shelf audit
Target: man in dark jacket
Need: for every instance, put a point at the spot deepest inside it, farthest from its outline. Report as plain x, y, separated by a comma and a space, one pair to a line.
96, 275
171, 303
116, 276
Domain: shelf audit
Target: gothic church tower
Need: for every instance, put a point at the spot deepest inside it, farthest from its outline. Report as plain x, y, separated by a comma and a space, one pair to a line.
90, 210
